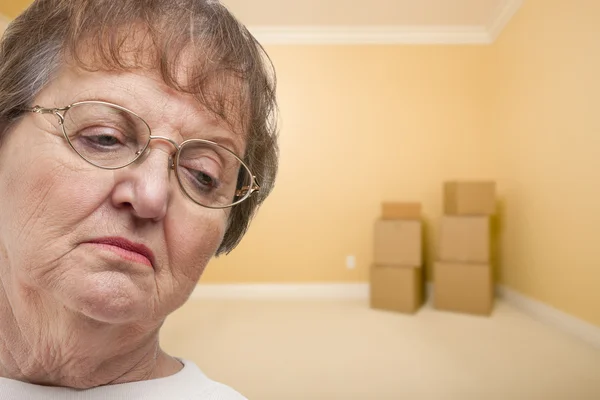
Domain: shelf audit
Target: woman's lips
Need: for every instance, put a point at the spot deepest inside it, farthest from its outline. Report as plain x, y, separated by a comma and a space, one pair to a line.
127, 249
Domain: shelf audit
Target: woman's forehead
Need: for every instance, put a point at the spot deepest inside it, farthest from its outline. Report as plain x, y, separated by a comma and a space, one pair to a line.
218, 84
143, 92
142, 88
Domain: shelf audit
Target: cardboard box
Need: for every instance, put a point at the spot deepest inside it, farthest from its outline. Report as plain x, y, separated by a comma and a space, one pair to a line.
464, 239
390, 210
469, 198
396, 288
466, 288
398, 242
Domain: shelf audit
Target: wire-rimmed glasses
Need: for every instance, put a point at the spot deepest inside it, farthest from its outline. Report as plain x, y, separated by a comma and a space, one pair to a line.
111, 137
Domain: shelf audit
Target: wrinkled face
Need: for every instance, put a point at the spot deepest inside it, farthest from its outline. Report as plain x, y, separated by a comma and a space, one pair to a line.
120, 245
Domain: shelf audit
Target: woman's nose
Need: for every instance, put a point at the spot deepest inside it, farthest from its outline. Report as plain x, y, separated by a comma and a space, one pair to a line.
145, 185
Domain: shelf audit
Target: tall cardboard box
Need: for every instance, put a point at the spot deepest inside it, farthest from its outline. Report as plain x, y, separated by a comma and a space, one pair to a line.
396, 288
464, 239
397, 210
469, 198
398, 242
466, 288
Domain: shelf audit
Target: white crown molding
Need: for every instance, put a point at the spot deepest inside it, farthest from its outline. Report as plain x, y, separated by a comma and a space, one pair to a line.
501, 17
343, 35
356, 35
353, 35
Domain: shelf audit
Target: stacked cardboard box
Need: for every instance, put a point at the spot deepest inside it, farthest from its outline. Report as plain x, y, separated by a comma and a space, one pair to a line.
463, 273
396, 277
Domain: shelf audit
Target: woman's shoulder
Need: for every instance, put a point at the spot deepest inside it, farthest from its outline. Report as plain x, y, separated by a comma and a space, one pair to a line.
188, 384
204, 388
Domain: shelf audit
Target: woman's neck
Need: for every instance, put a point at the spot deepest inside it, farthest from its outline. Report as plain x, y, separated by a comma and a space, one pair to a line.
46, 344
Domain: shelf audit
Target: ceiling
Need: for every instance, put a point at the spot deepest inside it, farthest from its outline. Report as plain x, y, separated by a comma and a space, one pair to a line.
449, 21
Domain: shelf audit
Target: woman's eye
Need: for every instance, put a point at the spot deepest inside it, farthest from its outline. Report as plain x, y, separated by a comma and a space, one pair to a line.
101, 137
205, 180
105, 140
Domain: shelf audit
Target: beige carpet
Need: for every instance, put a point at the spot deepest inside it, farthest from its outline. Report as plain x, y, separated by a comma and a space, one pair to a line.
287, 350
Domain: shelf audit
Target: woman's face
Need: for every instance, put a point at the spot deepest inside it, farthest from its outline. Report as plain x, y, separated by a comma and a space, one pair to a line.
66, 226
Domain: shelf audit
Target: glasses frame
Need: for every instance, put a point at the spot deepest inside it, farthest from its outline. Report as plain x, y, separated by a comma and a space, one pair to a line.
243, 193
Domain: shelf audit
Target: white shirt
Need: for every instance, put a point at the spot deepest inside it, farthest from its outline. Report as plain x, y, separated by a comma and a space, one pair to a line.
188, 384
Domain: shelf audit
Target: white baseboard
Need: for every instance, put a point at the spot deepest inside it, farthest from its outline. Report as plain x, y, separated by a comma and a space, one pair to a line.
551, 316
356, 291
283, 291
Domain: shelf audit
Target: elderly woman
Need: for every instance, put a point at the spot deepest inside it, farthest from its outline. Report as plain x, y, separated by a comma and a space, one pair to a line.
137, 140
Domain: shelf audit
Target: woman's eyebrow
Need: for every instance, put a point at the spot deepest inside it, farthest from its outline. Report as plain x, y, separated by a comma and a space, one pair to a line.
201, 126
223, 139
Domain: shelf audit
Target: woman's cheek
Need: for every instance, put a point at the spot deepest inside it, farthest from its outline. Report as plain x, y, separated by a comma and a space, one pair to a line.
194, 241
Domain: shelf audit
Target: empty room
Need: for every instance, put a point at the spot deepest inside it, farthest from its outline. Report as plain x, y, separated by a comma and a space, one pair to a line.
399, 199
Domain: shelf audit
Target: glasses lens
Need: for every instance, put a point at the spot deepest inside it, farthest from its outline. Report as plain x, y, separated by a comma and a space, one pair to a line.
211, 175
105, 135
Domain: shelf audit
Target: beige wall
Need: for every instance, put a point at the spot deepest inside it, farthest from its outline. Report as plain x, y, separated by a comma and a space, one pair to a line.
360, 125
12, 8
3, 23
545, 117
388, 122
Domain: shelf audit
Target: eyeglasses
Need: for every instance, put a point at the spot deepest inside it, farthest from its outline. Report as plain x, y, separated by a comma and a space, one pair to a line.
111, 137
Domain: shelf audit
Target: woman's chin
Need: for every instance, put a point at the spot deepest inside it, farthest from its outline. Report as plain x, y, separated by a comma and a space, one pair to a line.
117, 301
